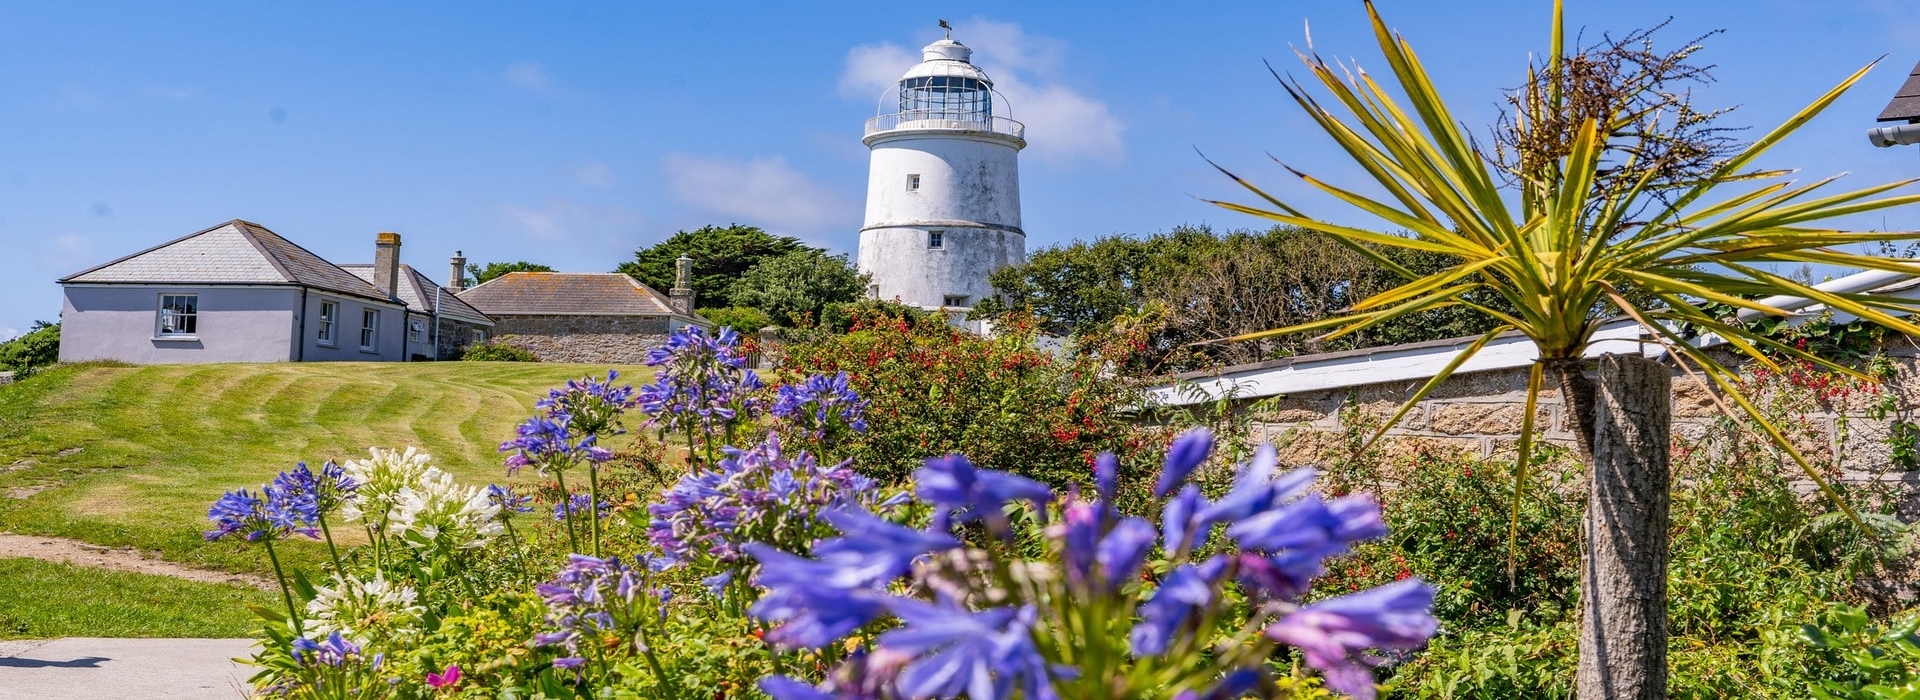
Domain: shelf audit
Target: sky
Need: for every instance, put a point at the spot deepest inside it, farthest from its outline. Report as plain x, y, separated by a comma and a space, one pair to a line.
573, 133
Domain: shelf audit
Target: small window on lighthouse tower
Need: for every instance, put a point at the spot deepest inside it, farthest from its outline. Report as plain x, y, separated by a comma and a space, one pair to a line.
913, 182
933, 239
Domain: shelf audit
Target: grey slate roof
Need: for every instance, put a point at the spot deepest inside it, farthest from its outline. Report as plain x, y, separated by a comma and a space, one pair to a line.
418, 293
567, 294
236, 252
1906, 101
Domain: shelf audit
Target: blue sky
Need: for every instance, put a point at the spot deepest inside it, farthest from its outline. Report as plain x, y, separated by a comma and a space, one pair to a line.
572, 133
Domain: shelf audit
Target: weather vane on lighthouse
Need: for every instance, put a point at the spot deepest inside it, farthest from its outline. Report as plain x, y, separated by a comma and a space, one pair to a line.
948, 27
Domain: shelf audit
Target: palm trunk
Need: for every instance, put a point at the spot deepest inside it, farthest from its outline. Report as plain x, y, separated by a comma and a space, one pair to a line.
1622, 421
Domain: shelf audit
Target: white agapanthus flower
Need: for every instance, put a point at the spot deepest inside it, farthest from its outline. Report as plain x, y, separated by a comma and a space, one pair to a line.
353, 606
434, 511
381, 479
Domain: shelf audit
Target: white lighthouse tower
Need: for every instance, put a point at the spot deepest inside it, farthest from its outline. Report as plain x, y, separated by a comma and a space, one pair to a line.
943, 186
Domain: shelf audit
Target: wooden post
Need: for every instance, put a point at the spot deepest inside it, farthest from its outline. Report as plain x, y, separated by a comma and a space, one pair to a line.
1623, 618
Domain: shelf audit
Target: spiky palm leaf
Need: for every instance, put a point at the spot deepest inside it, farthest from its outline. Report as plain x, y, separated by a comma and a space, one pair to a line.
1567, 250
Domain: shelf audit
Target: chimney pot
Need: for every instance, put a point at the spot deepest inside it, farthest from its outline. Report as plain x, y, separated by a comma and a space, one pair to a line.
457, 275
681, 296
386, 263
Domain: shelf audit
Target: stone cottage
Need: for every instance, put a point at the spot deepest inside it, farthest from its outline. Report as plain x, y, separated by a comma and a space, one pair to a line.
601, 318
439, 325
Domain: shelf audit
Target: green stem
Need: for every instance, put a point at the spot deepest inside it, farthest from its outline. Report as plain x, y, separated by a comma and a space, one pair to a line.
566, 507
593, 508
331, 552
281, 576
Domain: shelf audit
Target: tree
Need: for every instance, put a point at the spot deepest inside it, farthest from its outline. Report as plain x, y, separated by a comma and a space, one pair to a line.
478, 274
793, 288
740, 318
721, 255
1573, 245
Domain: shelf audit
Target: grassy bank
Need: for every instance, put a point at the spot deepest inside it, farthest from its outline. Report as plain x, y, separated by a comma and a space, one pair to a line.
132, 456
49, 599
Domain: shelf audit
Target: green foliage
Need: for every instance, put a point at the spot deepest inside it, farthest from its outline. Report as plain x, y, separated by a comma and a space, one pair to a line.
935, 390
1205, 286
1875, 661
841, 318
722, 255
794, 288
32, 350
480, 274
745, 319
45, 600
495, 351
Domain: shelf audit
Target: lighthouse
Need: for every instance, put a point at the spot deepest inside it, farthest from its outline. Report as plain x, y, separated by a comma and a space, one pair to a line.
943, 186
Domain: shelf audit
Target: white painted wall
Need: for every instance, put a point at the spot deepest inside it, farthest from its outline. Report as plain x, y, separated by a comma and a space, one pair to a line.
236, 324
969, 189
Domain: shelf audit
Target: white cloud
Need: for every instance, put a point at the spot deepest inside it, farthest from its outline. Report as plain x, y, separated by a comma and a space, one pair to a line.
593, 174
761, 191
1063, 124
872, 68
528, 76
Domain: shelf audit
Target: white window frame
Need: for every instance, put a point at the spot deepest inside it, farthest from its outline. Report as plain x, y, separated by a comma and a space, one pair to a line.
329, 323
370, 330
937, 240
913, 182
416, 330
479, 335
185, 325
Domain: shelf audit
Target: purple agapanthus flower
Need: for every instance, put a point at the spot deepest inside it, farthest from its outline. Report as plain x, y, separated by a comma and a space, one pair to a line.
816, 602
983, 654
328, 490
579, 504
1185, 590
965, 493
273, 514
593, 597
821, 405
571, 422
762, 493
508, 500
1334, 634
1187, 452
702, 383
334, 651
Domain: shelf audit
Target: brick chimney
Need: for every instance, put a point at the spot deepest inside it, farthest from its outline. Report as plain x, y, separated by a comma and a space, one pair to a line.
681, 297
386, 263
456, 278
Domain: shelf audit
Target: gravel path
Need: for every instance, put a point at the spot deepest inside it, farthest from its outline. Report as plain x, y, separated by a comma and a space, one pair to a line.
84, 554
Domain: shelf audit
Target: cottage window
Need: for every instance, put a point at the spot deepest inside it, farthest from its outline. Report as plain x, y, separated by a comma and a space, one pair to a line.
934, 239
179, 314
415, 329
479, 336
369, 329
329, 318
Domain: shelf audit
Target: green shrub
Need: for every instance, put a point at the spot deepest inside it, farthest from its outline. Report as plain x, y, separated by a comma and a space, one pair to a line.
935, 390
31, 351
745, 319
495, 351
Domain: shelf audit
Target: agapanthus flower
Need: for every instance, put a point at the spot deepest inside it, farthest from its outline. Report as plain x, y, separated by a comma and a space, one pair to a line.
592, 598
329, 490
272, 514
352, 606
965, 493
702, 383
1187, 452
1334, 634
335, 651
380, 479
761, 493
508, 500
984, 654
435, 512
821, 404
1181, 594
580, 504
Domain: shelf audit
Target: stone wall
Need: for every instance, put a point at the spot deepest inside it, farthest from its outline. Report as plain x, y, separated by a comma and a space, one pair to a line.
617, 340
455, 336
1480, 413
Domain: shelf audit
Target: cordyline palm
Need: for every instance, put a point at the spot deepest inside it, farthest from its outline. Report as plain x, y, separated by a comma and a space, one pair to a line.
1567, 249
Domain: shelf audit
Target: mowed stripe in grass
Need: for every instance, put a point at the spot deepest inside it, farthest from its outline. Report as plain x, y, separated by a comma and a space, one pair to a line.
132, 456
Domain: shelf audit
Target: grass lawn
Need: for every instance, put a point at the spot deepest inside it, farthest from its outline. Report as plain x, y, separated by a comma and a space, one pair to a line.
133, 456
52, 599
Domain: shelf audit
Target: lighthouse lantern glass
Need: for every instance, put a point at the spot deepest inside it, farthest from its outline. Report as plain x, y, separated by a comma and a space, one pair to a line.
953, 98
